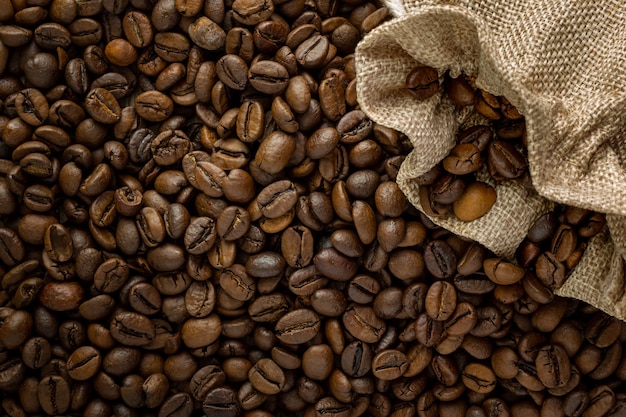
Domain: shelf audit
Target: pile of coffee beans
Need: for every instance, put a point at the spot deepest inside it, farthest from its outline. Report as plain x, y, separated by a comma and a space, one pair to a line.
451, 186
196, 218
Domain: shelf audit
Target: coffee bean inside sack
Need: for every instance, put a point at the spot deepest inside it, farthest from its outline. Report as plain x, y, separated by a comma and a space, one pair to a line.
497, 147
197, 219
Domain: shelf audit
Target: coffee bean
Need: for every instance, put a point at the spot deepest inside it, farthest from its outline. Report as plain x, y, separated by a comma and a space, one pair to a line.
267, 377
194, 331
330, 406
252, 12
440, 300
475, 201
298, 326
502, 272
553, 367
602, 330
389, 364
61, 296
83, 363
53, 393
363, 324
154, 106
478, 378
12, 249
132, 329
440, 259
506, 160
102, 106
207, 34
423, 82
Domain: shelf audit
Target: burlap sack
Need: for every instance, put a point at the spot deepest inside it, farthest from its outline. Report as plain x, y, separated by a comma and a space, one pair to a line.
562, 64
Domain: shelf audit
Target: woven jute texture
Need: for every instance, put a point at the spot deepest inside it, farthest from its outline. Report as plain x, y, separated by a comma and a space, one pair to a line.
562, 64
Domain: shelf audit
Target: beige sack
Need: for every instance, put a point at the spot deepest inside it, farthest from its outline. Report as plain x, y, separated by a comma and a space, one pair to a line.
562, 63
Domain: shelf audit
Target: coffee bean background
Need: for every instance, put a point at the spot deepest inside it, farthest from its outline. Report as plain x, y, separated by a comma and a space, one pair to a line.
196, 218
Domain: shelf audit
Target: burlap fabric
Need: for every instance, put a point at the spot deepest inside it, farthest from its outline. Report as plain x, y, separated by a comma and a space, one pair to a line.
562, 63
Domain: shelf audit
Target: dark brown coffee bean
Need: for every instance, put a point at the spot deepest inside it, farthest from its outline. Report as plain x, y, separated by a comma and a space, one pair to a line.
268, 77
297, 246
111, 275
332, 97
298, 326
423, 82
170, 147
550, 271
502, 272
440, 259
478, 378
553, 366
102, 106
440, 301
200, 235
363, 324
602, 330
207, 34
267, 377
154, 106
277, 198
463, 159
389, 364
252, 12
150, 226
61, 296
268, 308
53, 393
12, 250
31, 106
36, 352
334, 265
194, 331
459, 91
274, 152
83, 363
232, 70
506, 160
132, 329
331, 406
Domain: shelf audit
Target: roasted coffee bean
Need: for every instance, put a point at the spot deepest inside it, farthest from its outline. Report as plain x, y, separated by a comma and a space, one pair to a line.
61, 296
132, 329
207, 34
463, 159
53, 394
475, 202
31, 106
506, 160
478, 378
502, 272
389, 364
154, 106
232, 70
194, 334
440, 259
267, 377
423, 82
553, 367
12, 249
440, 302
298, 326
102, 106
83, 363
